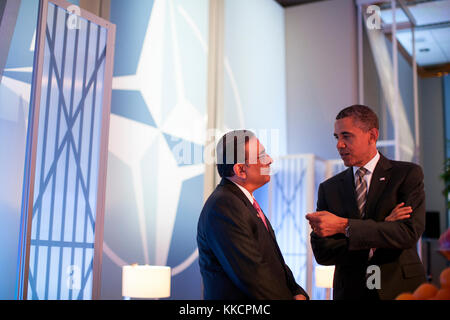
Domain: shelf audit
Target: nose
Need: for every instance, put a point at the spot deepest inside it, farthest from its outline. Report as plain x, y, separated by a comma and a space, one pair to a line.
266, 159
340, 144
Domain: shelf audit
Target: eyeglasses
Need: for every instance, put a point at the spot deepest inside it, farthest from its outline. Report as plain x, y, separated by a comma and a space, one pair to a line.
262, 157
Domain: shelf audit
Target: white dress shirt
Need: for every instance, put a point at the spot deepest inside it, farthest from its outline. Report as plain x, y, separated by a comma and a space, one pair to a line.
245, 191
370, 166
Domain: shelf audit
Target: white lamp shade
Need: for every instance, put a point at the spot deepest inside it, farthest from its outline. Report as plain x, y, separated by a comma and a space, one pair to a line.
324, 276
146, 281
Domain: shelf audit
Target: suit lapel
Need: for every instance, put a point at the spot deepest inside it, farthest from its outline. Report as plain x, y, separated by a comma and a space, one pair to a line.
380, 178
233, 188
272, 233
255, 212
348, 194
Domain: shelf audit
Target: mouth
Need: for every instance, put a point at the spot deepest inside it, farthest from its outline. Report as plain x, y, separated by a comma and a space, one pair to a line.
266, 171
344, 154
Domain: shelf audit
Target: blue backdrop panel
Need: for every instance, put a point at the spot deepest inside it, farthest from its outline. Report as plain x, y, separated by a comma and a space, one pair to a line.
320, 169
289, 206
15, 89
296, 179
67, 162
154, 191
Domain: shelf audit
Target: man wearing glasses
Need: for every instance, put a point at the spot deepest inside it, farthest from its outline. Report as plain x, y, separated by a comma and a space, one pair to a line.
238, 254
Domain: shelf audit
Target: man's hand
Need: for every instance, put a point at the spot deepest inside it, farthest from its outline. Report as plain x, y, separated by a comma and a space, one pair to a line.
399, 213
299, 297
325, 224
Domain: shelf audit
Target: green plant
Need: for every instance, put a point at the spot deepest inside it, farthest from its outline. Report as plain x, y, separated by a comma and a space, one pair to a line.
446, 177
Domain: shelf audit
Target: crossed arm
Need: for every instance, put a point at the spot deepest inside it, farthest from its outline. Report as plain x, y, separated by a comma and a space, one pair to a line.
325, 224
401, 228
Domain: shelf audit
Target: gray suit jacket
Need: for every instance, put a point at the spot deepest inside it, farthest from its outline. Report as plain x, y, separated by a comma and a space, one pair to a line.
392, 182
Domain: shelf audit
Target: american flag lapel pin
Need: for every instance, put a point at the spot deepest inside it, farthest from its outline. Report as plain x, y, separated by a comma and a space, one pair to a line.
382, 179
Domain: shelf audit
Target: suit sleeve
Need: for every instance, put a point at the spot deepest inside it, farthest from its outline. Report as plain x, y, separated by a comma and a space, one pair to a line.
401, 234
334, 249
295, 288
231, 239
293, 285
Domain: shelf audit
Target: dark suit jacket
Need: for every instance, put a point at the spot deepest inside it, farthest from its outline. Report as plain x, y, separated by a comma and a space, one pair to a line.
392, 182
238, 257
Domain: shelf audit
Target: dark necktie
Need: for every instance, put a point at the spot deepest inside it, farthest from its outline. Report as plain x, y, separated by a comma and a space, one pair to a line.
361, 196
260, 213
361, 190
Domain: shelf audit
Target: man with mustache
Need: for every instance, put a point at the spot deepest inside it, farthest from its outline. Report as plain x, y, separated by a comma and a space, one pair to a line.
371, 214
238, 254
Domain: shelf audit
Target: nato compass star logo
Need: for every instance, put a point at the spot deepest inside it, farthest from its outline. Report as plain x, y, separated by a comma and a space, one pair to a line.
153, 196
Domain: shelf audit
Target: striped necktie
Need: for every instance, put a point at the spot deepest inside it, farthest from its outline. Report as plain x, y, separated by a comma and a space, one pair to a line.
260, 213
361, 190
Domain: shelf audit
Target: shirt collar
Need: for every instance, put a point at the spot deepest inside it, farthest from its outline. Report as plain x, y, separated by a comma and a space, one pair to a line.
370, 166
245, 191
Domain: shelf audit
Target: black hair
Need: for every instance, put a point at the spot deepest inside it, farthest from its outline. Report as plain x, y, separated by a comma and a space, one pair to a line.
364, 116
231, 150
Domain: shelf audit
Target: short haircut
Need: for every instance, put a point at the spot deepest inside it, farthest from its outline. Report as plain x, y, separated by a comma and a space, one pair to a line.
364, 116
231, 150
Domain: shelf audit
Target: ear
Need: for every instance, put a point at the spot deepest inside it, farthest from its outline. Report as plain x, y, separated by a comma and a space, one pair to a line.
374, 133
239, 171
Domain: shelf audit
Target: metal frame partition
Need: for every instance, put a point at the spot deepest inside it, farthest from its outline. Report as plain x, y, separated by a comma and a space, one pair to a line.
362, 9
397, 143
61, 233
